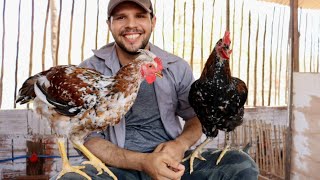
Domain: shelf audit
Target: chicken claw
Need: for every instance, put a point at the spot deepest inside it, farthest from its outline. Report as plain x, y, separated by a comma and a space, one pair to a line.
197, 154
93, 160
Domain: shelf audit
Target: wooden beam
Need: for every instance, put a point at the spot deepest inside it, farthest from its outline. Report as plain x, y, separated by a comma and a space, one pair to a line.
293, 67
294, 35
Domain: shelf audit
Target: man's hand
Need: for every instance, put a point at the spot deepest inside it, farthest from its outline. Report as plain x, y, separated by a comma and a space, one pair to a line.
174, 148
161, 166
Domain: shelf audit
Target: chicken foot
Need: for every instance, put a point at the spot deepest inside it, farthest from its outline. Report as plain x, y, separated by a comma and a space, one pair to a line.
66, 167
93, 160
225, 149
197, 153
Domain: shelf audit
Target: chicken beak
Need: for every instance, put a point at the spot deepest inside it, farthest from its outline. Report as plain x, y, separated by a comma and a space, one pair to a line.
159, 74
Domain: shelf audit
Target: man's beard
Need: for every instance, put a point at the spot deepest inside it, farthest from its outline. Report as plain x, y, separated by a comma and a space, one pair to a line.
127, 50
122, 46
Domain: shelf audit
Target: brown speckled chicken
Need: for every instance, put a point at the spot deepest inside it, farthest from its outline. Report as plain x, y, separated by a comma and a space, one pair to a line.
77, 101
217, 97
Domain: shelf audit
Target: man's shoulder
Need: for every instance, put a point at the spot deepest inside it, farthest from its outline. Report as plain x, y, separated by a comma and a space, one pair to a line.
99, 56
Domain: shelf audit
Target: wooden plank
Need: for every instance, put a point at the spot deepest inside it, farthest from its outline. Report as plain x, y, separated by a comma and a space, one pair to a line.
264, 59
248, 55
192, 33
293, 66
3, 49
13, 122
17, 58
240, 48
70, 33
32, 39
44, 45
256, 65
84, 30
270, 61
97, 25
202, 30
212, 27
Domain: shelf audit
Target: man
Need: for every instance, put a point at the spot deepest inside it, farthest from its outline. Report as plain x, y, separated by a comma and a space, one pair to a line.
149, 142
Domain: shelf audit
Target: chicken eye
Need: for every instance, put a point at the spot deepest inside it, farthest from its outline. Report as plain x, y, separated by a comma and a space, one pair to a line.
150, 66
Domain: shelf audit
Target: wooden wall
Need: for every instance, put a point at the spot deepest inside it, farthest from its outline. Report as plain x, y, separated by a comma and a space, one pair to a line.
305, 155
19, 126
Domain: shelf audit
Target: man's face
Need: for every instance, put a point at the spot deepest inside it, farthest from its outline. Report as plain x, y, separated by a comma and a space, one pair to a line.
131, 27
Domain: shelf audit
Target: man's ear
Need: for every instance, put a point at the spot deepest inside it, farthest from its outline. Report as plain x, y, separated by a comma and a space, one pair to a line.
109, 22
153, 22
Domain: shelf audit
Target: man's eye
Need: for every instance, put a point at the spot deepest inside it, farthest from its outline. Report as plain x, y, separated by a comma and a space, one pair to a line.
119, 18
140, 16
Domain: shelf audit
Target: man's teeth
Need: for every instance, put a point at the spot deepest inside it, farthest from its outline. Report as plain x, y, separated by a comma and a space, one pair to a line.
132, 36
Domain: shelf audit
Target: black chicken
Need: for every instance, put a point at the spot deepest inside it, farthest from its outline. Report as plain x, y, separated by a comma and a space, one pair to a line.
217, 98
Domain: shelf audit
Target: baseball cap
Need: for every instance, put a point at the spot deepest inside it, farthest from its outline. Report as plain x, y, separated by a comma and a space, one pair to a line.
145, 4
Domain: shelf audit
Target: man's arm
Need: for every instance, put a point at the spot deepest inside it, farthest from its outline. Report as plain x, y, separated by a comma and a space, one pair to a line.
154, 164
191, 133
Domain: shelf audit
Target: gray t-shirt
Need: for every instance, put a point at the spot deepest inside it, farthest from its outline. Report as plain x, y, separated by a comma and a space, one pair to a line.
144, 128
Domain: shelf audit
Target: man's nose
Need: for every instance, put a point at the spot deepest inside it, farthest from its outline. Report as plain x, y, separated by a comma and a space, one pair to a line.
132, 22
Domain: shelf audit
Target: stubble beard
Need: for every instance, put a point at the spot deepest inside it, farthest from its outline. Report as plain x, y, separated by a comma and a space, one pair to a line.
133, 51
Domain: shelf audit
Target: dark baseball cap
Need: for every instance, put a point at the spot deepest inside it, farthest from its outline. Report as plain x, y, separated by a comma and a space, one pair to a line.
145, 4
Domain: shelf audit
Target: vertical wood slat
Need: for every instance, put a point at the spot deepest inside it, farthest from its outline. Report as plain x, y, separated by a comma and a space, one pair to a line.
58, 35
264, 59
212, 27
270, 63
256, 65
305, 45
276, 61
17, 57
281, 56
241, 31
44, 43
227, 15
202, 30
248, 55
192, 35
97, 25
84, 30
184, 29
233, 32
3, 49
70, 32
32, 37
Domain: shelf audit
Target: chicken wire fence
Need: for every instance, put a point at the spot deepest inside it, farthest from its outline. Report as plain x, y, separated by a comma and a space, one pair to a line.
39, 34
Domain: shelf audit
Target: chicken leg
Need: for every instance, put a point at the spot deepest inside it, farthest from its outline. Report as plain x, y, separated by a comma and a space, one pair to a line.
197, 153
66, 167
225, 149
93, 160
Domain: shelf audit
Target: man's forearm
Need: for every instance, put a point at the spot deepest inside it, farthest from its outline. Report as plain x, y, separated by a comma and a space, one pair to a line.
113, 155
191, 133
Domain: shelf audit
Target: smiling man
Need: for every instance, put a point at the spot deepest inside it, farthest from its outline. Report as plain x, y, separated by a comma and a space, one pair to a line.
149, 142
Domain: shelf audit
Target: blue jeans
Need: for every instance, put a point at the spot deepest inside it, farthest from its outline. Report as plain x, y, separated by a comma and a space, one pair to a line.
234, 165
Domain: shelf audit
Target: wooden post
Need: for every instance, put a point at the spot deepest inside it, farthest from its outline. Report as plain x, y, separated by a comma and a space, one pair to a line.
35, 167
293, 67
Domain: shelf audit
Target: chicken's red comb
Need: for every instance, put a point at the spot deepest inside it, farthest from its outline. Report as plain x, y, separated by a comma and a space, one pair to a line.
226, 38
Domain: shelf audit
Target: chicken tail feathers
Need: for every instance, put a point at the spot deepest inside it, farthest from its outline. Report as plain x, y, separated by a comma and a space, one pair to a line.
26, 92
